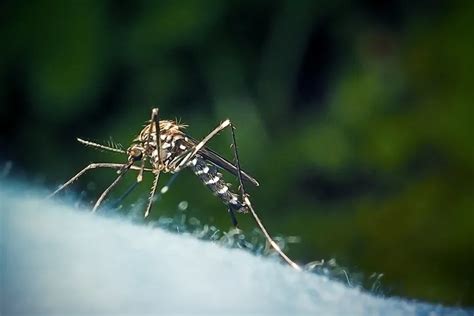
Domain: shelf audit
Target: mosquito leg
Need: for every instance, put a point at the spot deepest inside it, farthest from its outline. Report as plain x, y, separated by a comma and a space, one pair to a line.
247, 203
203, 142
239, 173
237, 162
124, 195
140, 172
152, 194
166, 187
154, 127
195, 149
163, 190
269, 238
89, 167
192, 151
233, 218
104, 194
155, 119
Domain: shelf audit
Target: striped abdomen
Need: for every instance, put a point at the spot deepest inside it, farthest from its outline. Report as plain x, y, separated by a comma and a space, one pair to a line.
210, 176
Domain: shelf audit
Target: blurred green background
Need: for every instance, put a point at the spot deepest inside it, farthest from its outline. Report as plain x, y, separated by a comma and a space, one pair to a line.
353, 115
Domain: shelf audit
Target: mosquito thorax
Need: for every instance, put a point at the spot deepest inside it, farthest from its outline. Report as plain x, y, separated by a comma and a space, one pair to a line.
167, 129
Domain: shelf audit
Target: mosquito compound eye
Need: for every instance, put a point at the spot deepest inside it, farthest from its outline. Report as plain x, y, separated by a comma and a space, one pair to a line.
135, 153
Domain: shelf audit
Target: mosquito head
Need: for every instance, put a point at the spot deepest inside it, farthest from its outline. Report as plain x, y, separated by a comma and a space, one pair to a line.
135, 152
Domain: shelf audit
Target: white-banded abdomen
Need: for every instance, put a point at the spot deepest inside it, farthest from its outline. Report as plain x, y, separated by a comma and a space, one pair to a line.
211, 178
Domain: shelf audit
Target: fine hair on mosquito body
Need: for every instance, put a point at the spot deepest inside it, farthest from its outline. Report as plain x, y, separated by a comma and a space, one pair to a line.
163, 146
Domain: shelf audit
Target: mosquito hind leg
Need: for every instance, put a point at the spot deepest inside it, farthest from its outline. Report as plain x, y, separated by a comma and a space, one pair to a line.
248, 204
125, 194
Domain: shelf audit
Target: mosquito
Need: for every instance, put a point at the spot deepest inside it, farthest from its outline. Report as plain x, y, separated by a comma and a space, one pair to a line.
168, 149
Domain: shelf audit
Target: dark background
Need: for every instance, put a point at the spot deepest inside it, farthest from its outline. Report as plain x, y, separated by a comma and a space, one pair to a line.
353, 115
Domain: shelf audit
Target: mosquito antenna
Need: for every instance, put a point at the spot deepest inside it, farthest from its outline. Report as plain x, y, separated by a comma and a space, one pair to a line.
99, 146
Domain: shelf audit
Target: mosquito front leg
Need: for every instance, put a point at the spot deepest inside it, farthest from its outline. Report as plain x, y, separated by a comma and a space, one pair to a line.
124, 170
155, 119
89, 167
154, 126
163, 190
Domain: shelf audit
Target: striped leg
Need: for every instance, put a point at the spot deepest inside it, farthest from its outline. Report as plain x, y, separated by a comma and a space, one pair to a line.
152, 194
